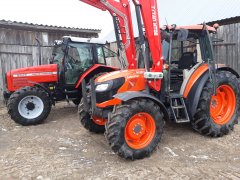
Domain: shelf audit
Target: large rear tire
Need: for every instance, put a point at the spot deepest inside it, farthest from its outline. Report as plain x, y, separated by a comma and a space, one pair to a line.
135, 129
29, 106
93, 124
217, 114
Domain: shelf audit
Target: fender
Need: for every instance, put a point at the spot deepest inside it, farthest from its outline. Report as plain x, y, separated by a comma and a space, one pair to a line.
226, 68
45, 89
136, 94
199, 72
95, 69
193, 96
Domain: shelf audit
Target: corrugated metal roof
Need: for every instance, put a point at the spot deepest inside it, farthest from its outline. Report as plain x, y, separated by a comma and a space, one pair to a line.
231, 20
41, 27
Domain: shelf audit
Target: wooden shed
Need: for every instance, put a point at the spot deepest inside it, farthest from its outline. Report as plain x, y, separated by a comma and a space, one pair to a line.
228, 51
22, 44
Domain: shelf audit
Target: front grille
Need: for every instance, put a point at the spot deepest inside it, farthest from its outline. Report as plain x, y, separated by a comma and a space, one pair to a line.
105, 96
108, 95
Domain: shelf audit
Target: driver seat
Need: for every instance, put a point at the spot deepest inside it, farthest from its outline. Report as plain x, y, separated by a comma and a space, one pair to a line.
187, 61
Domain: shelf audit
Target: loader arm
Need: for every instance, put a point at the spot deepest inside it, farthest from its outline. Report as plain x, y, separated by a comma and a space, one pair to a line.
120, 11
149, 12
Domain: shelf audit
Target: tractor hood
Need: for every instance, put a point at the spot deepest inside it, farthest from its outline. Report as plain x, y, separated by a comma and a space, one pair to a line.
18, 78
123, 80
121, 73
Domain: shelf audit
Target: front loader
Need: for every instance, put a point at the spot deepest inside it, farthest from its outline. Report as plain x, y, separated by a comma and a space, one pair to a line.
181, 82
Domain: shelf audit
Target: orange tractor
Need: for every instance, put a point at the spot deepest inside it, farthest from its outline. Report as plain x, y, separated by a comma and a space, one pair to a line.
180, 82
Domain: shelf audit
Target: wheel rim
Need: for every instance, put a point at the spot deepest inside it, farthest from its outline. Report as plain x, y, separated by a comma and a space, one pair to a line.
140, 130
30, 107
223, 105
99, 121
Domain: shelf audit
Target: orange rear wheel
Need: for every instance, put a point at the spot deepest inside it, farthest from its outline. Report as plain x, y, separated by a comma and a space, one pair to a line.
217, 113
223, 104
140, 130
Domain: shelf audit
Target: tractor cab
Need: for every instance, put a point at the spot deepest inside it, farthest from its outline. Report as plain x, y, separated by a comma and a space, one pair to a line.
190, 48
75, 56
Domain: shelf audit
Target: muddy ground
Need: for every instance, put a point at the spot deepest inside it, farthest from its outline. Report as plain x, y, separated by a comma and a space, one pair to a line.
62, 149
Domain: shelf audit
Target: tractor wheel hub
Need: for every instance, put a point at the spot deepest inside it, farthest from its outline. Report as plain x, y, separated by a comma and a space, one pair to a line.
30, 106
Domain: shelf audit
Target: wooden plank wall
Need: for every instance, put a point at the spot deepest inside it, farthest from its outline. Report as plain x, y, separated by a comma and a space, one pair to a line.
228, 52
18, 48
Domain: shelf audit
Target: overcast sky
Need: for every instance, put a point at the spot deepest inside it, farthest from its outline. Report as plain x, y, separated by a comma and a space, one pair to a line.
73, 13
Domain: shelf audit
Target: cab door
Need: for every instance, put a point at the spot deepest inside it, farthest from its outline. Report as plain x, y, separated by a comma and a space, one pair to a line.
78, 59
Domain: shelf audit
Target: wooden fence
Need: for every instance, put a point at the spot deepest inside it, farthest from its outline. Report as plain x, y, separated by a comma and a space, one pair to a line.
228, 52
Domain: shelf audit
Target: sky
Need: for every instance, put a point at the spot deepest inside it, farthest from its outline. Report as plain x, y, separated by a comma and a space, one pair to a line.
73, 13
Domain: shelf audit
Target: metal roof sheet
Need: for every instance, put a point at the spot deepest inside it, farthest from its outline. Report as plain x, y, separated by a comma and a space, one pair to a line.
24, 25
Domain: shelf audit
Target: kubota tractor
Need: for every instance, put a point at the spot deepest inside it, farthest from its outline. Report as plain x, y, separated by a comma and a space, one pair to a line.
181, 82
32, 91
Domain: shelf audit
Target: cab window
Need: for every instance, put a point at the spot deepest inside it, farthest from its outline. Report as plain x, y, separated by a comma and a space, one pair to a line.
100, 54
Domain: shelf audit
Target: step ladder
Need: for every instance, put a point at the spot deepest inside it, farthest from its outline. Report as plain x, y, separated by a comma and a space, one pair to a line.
178, 108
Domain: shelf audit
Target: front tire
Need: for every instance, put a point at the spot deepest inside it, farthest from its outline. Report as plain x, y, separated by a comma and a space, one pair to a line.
29, 106
92, 124
217, 115
135, 129
76, 101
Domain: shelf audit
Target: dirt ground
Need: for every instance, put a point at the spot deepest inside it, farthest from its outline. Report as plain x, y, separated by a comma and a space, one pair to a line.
62, 149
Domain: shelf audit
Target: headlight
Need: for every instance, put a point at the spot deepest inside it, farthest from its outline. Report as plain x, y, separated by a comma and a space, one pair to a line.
101, 87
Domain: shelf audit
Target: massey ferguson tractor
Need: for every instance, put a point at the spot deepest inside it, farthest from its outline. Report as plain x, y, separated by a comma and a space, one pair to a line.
32, 91
180, 82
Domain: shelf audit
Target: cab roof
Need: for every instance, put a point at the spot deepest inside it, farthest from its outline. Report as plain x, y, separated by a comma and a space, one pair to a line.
196, 27
84, 40
193, 28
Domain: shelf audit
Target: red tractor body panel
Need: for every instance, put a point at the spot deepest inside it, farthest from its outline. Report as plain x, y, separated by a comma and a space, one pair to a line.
19, 78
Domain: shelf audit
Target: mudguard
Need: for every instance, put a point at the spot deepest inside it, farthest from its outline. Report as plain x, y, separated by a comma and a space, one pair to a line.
136, 94
196, 90
47, 91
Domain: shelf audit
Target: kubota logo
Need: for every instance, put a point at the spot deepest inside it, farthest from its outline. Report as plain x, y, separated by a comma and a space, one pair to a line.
154, 20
